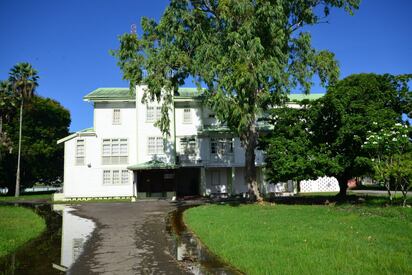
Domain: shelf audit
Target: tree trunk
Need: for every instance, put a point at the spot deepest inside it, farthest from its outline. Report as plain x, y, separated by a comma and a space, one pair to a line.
17, 191
250, 167
343, 187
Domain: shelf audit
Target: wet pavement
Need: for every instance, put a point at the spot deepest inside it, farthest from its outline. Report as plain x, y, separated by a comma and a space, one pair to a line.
130, 238
146, 237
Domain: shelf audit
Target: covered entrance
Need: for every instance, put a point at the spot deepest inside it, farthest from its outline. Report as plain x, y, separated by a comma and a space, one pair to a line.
154, 179
158, 179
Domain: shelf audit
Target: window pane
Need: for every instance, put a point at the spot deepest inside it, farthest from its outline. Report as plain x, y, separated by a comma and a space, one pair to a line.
106, 177
123, 149
106, 149
116, 177
151, 145
150, 113
159, 145
116, 116
187, 116
115, 149
125, 176
158, 112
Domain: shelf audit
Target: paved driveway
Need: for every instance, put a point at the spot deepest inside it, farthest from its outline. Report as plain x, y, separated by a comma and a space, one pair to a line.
130, 238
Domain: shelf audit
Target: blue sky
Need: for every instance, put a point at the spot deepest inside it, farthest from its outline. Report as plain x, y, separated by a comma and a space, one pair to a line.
68, 42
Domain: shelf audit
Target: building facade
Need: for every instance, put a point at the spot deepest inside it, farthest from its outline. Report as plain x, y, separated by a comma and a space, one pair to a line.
125, 155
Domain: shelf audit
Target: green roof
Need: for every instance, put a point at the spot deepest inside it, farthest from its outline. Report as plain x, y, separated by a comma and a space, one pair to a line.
300, 97
87, 130
153, 164
124, 94
110, 94
189, 92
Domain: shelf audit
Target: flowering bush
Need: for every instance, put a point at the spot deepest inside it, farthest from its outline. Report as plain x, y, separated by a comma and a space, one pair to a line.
391, 153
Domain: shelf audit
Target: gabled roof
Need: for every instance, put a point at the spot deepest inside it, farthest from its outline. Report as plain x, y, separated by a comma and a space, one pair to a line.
84, 132
110, 94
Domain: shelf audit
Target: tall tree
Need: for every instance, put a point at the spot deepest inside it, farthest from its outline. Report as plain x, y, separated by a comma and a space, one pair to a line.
7, 104
23, 79
45, 121
248, 53
326, 138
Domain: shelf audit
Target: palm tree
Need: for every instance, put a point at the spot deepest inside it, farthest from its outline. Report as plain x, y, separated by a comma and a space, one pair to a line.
23, 79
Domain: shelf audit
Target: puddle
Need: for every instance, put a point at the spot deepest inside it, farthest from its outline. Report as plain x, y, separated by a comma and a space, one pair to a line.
54, 250
189, 252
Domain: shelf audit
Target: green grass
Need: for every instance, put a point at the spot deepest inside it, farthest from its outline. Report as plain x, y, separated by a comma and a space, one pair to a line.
298, 239
46, 197
17, 226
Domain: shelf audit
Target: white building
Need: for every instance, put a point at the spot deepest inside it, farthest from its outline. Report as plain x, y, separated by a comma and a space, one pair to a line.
125, 155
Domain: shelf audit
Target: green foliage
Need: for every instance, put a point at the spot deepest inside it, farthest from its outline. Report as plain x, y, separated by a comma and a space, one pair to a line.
284, 239
247, 53
45, 122
23, 79
391, 152
289, 150
17, 226
331, 131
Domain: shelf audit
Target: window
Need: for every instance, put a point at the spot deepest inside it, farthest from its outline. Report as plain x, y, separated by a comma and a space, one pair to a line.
221, 146
106, 177
116, 116
155, 145
125, 177
80, 152
188, 145
115, 177
115, 151
187, 116
153, 113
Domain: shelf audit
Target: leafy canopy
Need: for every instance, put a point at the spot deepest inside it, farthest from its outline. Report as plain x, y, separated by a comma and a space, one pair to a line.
327, 136
45, 121
247, 53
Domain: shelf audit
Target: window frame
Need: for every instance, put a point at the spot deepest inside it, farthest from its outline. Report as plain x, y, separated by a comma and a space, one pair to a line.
116, 120
187, 116
109, 177
157, 150
155, 112
80, 159
112, 156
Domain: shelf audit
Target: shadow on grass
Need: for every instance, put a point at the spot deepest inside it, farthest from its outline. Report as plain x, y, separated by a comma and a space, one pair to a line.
318, 199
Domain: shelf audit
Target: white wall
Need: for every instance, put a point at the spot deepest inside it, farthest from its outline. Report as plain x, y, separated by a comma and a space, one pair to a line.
147, 129
87, 180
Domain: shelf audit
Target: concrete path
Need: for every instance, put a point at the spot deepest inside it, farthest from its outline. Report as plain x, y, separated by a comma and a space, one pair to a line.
130, 238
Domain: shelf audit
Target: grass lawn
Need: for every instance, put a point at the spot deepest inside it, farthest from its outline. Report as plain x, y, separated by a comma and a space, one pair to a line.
17, 226
299, 239
47, 197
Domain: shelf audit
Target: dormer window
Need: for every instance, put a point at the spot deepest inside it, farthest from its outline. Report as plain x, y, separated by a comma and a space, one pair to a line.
116, 116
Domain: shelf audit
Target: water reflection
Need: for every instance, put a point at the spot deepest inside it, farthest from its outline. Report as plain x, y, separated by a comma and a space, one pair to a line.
75, 232
55, 249
190, 252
